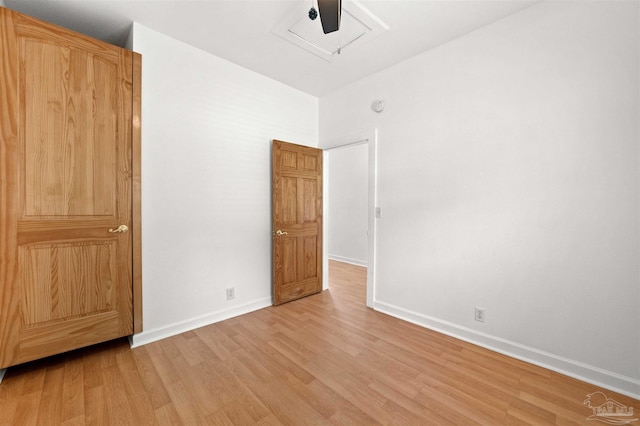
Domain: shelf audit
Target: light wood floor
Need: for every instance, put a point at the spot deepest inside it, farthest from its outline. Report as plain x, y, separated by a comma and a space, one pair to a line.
325, 359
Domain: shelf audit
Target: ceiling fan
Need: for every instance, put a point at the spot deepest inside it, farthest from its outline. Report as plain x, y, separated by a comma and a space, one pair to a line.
330, 11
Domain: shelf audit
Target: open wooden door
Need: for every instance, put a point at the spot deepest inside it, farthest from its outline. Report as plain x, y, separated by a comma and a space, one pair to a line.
297, 221
66, 178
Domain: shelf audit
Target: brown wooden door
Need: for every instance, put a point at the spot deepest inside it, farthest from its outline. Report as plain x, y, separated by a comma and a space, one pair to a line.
66, 181
297, 221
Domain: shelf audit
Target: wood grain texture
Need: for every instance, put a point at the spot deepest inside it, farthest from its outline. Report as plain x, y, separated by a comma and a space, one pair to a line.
68, 125
52, 289
323, 359
9, 186
297, 210
66, 112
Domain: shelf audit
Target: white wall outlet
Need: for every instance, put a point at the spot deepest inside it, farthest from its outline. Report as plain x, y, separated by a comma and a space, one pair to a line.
231, 293
479, 314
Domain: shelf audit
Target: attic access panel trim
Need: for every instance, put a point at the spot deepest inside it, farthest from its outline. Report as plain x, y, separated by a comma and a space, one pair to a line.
358, 26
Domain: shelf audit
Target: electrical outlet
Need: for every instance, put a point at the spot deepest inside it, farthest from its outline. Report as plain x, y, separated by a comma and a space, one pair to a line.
479, 314
231, 293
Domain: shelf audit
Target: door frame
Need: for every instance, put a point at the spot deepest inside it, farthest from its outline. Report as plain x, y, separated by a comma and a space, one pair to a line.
136, 193
369, 137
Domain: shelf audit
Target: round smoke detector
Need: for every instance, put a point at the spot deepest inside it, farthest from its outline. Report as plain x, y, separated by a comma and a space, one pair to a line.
378, 105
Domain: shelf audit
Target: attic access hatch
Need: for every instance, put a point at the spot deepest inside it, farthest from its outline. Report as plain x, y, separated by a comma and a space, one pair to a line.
358, 25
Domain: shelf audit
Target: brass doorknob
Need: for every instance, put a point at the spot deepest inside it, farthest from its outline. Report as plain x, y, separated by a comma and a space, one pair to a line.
280, 233
121, 229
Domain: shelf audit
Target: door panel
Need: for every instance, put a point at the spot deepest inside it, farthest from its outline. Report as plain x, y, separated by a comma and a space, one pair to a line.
297, 213
289, 200
69, 129
289, 260
66, 168
54, 290
310, 257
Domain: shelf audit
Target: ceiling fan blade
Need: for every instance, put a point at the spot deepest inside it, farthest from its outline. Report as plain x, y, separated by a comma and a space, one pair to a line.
330, 11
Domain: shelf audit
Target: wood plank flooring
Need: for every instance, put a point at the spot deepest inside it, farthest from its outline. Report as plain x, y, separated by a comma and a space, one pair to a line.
325, 359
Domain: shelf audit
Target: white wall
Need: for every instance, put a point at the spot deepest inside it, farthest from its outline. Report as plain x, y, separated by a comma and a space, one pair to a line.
348, 196
207, 127
508, 178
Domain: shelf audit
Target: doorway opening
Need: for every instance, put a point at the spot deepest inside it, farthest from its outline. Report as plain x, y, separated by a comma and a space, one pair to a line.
368, 139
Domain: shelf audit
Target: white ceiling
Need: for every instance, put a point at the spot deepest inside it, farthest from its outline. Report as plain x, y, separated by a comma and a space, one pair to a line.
241, 31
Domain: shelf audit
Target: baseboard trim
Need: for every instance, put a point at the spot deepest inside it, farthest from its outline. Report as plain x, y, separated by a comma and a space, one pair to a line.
150, 336
348, 260
2, 372
587, 373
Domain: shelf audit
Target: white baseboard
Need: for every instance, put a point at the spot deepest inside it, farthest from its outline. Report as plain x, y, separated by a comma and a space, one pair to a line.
181, 327
587, 373
2, 372
348, 260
